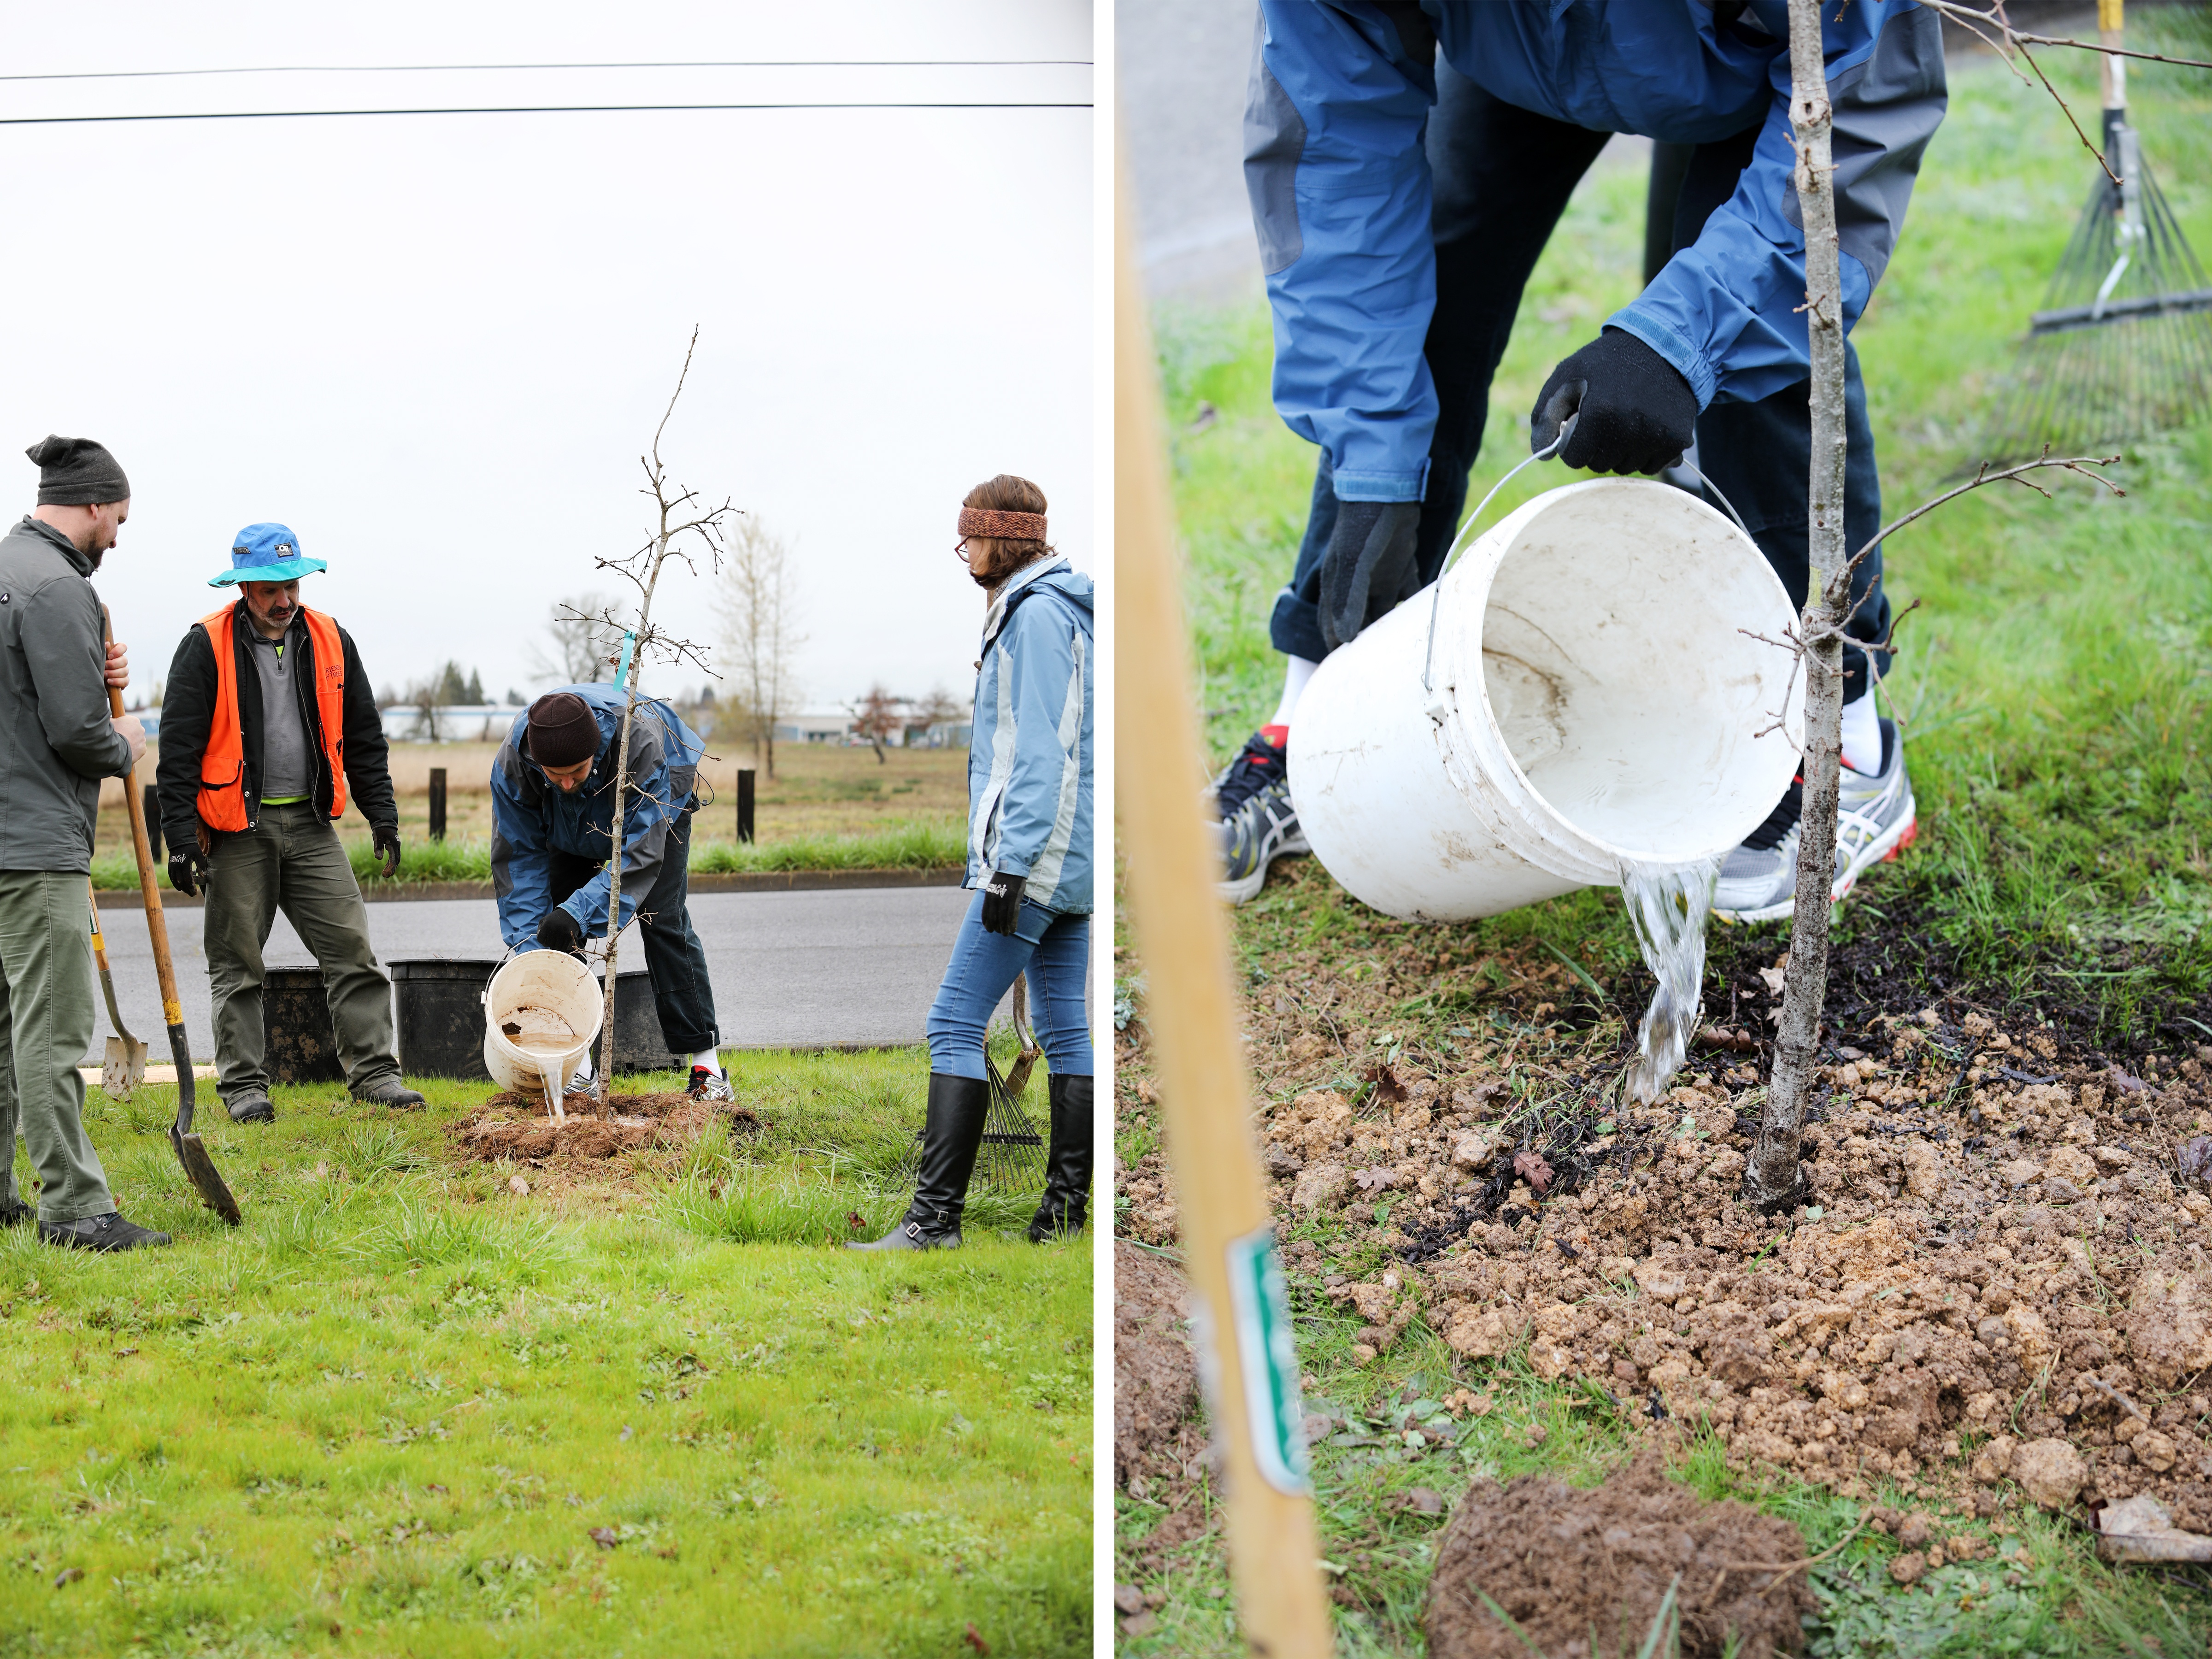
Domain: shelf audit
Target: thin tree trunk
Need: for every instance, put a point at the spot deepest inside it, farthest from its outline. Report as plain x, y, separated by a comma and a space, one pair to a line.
1773, 1180
622, 797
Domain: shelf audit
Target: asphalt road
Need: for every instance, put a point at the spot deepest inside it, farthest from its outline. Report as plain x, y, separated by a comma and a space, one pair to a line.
789, 969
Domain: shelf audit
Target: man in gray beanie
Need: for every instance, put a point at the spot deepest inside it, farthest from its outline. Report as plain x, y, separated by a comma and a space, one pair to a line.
57, 741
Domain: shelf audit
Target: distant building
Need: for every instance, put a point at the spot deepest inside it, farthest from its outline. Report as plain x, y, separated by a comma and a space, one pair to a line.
472, 722
815, 725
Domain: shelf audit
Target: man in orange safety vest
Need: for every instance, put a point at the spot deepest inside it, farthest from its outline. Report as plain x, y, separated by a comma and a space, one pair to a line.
269, 717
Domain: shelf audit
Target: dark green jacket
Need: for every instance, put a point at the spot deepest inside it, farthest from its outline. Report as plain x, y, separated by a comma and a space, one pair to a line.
57, 741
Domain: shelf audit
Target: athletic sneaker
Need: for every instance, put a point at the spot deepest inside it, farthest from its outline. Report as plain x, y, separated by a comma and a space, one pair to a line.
1258, 825
1875, 821
708, 1085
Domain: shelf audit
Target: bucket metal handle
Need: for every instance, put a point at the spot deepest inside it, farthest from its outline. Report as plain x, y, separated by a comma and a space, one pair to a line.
1459, 541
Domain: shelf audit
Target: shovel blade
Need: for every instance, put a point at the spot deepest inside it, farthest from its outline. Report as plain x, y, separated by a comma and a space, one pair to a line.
199, 1168
126, 1068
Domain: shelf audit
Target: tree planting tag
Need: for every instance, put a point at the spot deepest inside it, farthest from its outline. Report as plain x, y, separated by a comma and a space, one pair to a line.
1260, 1305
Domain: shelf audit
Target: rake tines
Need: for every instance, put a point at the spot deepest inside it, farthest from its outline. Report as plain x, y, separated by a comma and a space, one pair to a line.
2123, 347
1012, 1156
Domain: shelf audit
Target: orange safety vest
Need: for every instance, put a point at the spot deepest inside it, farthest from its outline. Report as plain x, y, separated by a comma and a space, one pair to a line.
222, 765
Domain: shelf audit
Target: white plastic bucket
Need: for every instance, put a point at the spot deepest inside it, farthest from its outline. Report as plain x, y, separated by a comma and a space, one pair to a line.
542, 1013
1594, 699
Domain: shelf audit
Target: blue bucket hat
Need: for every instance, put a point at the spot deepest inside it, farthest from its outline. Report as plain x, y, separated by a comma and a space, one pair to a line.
266, 553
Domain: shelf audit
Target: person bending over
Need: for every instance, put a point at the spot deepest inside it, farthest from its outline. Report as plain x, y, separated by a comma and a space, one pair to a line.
552, 832
1407, 163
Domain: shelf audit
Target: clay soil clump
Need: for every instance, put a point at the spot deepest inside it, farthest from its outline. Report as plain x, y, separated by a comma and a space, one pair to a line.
515, 1127
1159, 1440
2007, 1249
1564, 1564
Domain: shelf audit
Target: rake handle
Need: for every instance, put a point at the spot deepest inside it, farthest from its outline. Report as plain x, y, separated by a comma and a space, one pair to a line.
157, 925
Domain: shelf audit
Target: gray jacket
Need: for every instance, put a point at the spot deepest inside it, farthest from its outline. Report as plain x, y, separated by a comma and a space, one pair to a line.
56, 740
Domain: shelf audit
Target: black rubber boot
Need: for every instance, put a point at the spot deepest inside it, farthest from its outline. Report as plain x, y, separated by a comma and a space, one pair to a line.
1068, 1160
950, 1139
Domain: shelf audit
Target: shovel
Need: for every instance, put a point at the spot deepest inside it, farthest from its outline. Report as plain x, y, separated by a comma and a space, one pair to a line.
126, 1056
192, 1153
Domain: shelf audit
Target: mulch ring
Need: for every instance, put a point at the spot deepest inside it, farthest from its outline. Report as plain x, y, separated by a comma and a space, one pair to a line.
1563, 1565
515, 1126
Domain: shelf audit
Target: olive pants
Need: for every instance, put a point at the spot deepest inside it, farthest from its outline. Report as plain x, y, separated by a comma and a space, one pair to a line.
292, 861
45, 1027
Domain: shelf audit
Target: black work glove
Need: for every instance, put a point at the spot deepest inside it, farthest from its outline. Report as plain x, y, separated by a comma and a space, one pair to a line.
1636, 412
1002, 903
384, 843
560, 931
188, 869
1368, 566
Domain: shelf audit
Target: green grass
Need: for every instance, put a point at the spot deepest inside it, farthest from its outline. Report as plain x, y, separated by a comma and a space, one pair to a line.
387, 1413
920, 843
2056, 687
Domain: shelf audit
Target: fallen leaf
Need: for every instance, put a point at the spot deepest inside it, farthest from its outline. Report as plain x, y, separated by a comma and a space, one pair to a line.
68, 1575
603, 1537
2195, 1160
435, 1486
1373, 1180
124, 1353
1532, 1168
853, 1218
625, 1434
518, 1186
975, 1641
1387, 1087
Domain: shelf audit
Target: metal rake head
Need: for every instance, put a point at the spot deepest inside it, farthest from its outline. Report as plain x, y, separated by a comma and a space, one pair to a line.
2123, 347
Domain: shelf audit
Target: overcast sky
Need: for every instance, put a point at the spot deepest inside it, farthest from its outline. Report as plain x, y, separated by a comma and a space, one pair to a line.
435, 345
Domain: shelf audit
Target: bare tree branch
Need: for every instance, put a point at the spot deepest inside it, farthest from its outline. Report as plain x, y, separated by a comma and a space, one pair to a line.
1967, 18
644, 568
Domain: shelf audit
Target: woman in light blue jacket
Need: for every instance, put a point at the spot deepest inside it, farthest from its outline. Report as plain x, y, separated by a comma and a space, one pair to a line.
1028, 862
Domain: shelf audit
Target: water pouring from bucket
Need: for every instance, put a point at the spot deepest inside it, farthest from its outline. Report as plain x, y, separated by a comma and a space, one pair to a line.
1578, 701
541, 1012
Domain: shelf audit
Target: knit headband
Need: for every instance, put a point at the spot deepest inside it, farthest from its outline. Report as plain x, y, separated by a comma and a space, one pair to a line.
1007, 526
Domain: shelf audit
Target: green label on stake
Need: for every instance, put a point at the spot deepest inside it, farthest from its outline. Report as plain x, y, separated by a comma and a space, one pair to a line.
1260, 1305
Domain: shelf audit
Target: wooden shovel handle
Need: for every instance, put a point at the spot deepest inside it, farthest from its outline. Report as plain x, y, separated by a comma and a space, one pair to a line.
173, 1012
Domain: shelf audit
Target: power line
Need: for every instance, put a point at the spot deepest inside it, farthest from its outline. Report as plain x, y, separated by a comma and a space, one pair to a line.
505, 109
437, 69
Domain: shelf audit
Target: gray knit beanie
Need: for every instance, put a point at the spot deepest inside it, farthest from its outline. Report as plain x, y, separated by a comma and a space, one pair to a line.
77, 472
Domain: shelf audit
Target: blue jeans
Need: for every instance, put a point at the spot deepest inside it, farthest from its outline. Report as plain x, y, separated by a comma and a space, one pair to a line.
1055, 952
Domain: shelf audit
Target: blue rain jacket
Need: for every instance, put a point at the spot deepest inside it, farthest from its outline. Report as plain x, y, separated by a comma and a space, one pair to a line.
531, 817
1336, 114
1029, 758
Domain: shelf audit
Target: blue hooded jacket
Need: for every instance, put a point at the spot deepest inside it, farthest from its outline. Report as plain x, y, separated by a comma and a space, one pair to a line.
1336, 114
531, 817
1029, 758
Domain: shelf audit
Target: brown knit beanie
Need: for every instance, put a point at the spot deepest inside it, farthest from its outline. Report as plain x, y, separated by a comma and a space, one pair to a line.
561, 730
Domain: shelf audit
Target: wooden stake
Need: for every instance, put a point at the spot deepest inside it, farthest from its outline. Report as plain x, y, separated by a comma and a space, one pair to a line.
1240, 1312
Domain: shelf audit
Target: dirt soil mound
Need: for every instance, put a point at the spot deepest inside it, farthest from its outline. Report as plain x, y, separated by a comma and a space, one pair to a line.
1159, 1440
1564, 1564
513, 1126
2005, 1257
